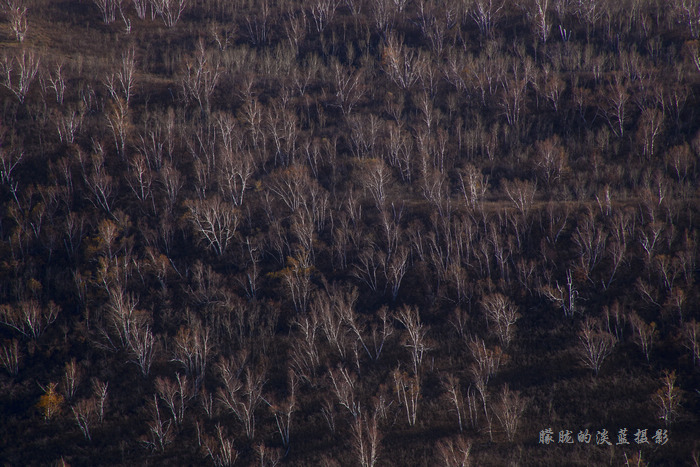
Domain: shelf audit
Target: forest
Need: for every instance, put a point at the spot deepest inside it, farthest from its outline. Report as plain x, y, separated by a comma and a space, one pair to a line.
350, 232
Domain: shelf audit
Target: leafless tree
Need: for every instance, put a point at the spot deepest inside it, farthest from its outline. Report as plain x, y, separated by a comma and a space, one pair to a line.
401, 63
29, 317
502, 251
283, 410
85, 412
522, 194
649, 237
564, 296
202, 148
367, 267
249, 280
668, 271
220, 449
514, 92
343, 386
487, 73
9, 160
502, 315
399, 150
589, 13
141, 6
171, 183
57, 82
19, 72
123, 317
556, 220
142, 344
435, 20
119, 123
408, 391
229, 134
206, 400
122, 83
322, 12
676, 301
384, 15
645, 334
509, 410
539, 17
409, 317
486, 364
169, 10
553, 88
596, 344
349, 86
395, 269
222, 34
160, 432
305, 357
99, 389
342, 240
259, 25
651, 126
67, 124
390, 221
191, 349
459, 319
297, 278
296, 29
687, 11
332, 309
72, 374
455, 453
487, 361
283, 129
364, 135
550, 160
328, 411
175, 394
127, 21
17, 13
10, 356
454, 394
242, 398
366, 438
355, 7
668, 398
268, 456
590, 238
237, 169
108, 9
377, 179
473, 185
679, 160
379, 331
615, 105
140, 179
237, 164
380, 336
292, 185
686, 259
200, 77
215, 220
691, 339
648, 291
486, 14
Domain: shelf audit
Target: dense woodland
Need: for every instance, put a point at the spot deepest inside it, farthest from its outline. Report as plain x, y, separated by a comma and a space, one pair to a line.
349, 232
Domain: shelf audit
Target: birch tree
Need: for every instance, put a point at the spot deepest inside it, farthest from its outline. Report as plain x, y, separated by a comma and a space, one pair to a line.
596, 344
